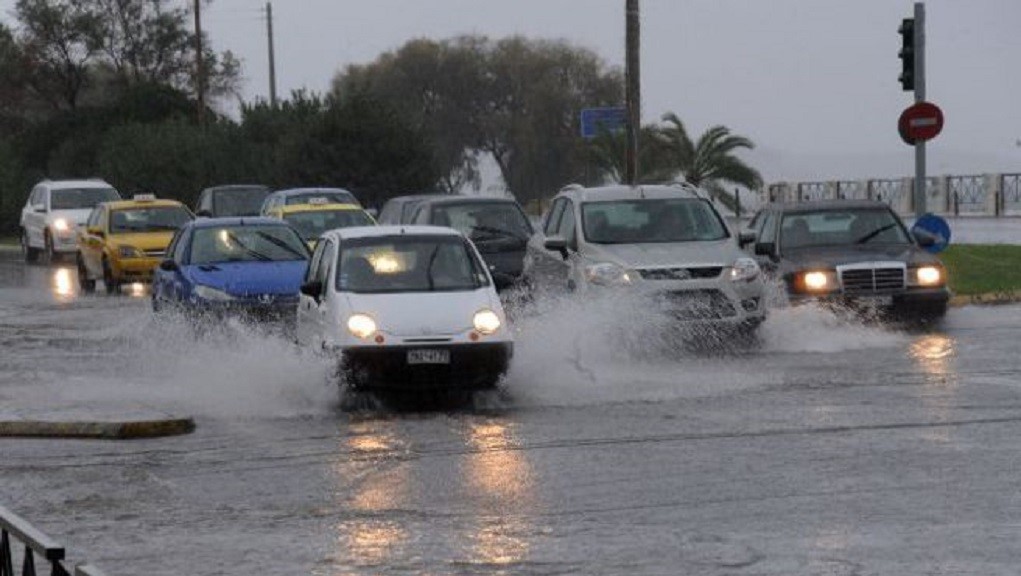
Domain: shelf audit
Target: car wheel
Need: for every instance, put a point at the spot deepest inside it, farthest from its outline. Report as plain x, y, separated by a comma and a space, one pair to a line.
31, 254
112, 287
87, 284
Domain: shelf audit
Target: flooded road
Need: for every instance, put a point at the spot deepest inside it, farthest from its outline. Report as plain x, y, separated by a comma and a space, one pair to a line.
832, 448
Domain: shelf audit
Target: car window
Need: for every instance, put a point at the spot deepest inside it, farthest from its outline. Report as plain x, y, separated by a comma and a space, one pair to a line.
553, 217
484, 221
312, 224
172, 247
93, 220
841, 227
651, 220
768, 233
251, 243
77, 198
322, 271
238, 201
313, 264
152, 219
409, 263
180, 247
566, 229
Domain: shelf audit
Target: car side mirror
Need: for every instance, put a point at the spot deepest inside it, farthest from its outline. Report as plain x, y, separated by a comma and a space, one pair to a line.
169, 265
765, 248
745, 237
312, 289
204, 214
556, 243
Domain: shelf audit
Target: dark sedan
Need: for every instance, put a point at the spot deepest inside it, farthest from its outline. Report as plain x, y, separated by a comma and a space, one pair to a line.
857, 253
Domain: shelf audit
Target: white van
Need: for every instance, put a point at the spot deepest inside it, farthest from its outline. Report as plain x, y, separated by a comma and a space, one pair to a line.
404, 307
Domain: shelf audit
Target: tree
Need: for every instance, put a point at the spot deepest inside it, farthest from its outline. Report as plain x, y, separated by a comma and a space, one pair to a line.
58, 39
608, 153
709, 161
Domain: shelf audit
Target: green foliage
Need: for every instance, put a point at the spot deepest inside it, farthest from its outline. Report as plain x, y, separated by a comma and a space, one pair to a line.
983, 268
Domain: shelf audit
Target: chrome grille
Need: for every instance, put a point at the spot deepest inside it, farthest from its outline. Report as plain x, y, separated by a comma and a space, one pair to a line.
681, 273
872, 280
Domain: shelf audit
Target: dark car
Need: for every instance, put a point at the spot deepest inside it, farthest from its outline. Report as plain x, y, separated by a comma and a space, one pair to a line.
250, 267
497, 226
400, 209
231, 200
850, 252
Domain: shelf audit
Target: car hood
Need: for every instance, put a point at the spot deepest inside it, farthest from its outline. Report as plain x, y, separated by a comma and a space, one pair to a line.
424, 313
831, 256
250, 278
721, 252
143, 240
76, 217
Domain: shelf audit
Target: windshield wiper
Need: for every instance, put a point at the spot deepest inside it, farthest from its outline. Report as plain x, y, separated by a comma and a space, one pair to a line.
281, 244
874, 233
254, 253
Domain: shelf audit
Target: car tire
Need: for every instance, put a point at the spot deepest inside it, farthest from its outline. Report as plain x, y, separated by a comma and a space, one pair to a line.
31, 254
112, 287
87, 285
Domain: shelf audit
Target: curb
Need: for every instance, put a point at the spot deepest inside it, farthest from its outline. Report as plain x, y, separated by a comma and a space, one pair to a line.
97, 430
986, 298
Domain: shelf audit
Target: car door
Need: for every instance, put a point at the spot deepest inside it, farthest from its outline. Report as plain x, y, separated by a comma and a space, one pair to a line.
540, 263
308, 306
34, 217
172, 282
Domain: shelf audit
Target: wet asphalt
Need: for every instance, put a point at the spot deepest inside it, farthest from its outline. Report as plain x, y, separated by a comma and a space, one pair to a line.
831, 448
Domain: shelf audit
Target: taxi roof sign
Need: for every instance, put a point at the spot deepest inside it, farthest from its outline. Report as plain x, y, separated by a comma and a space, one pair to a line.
319, 201
143, 197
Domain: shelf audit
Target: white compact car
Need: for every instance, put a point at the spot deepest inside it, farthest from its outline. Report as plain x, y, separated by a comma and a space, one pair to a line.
665, 242
54, 209
404, 307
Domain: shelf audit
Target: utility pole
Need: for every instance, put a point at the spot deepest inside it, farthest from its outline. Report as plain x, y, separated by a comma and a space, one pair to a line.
919, 78
633, 90
200, 72
272, 58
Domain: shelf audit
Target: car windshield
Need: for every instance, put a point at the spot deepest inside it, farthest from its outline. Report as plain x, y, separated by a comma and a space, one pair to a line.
427, 263
849, 227
239, 201
484, 221
77, 198
313, 223
650, 221
246, 243
155, 219
334, 196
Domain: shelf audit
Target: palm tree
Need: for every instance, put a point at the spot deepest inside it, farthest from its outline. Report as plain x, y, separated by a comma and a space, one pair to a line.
607, 152
710, 161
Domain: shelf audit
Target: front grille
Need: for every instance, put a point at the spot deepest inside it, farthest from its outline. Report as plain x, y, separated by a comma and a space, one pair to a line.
872, 280
681, 273
697, 304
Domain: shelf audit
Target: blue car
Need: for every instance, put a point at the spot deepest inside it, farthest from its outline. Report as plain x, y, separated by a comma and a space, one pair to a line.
251, 267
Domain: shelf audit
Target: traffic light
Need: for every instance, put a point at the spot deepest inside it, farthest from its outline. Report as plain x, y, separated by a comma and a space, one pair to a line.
907, 54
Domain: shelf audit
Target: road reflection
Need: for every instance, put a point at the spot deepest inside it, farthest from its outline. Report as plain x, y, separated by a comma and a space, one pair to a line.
501, 485
62, 284
935, 354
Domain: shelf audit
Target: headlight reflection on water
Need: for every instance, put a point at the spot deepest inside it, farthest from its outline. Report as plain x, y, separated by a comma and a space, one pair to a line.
63, 284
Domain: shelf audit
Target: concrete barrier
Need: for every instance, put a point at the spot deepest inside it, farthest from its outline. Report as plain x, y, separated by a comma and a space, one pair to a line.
97, 430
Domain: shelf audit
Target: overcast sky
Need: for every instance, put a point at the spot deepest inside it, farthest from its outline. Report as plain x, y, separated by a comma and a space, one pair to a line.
812, 82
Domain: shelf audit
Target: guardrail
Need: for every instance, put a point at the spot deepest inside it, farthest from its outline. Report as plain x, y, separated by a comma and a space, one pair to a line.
958, 195
33, 543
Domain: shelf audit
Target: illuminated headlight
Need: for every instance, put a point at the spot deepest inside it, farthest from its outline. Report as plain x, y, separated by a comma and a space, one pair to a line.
744, 269
607, 274
212, 294
361, 326
928, 276
486, 321
61, 225
129, 252
819, 281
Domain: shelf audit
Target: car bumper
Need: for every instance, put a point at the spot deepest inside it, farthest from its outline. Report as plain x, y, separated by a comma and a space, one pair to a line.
908, 297
65, 243
710, 302
134, 269
472, 366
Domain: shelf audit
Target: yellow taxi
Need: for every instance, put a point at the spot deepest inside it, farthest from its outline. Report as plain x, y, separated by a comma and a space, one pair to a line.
319, 215
122, 242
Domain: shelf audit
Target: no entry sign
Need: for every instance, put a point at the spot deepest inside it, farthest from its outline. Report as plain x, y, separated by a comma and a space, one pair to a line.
920, 122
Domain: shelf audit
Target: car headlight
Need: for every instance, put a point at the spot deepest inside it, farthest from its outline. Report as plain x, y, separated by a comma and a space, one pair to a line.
361, 326
927, 276
607, 274
61, 225
129, 252
744, 269
213, 294
486, 321
819, 281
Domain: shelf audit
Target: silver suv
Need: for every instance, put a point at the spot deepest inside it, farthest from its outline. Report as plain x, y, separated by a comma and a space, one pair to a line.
668, 242
52, 212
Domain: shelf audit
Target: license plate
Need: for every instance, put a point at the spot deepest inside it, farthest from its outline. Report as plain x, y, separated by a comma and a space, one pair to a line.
428, 356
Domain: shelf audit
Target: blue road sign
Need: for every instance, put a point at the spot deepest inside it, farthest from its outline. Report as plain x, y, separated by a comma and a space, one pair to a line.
595, 120
935, 227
